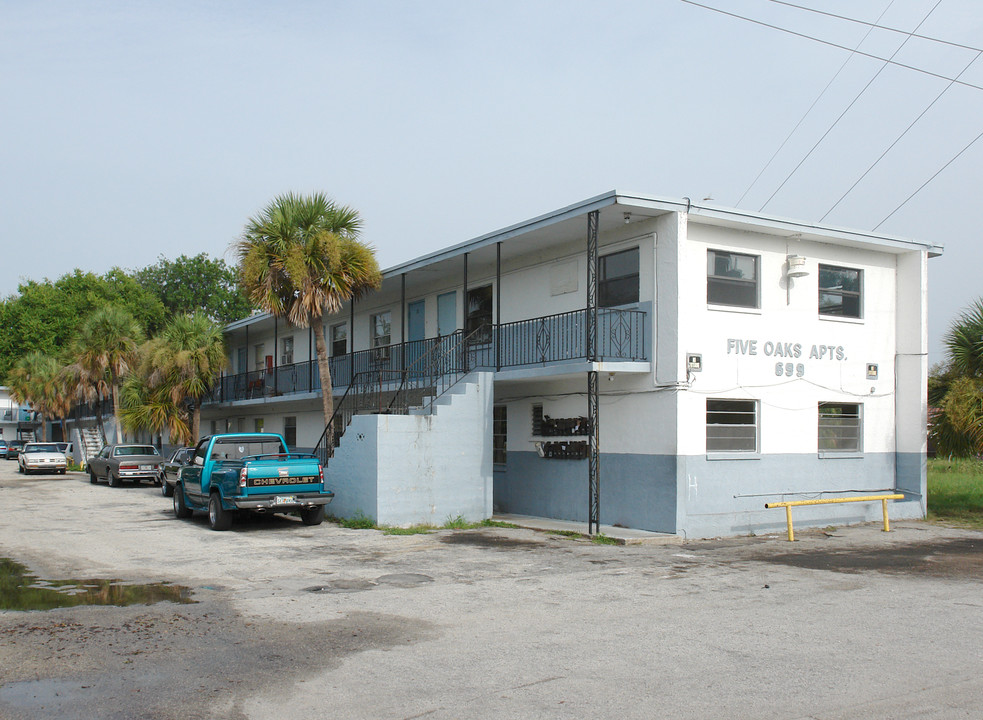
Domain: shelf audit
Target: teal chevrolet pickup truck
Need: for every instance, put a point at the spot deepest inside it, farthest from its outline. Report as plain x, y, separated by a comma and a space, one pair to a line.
250, 471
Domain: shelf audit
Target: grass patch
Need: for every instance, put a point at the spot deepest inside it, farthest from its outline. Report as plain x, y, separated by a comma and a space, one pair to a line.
358, 521
602, 539
955, 491
496, 523
413, 530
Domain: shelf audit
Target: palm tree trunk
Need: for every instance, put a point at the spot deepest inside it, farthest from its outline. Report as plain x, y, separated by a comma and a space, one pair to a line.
119, 435
327, 391
195, 422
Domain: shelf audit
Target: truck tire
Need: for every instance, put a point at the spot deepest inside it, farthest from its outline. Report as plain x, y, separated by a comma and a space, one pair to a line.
312, 516
181, 510
218, 517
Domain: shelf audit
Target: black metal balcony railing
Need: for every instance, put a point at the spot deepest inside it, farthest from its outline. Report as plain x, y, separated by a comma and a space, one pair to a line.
523, 343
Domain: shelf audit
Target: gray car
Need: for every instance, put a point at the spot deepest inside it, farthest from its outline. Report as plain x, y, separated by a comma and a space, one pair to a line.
116, 463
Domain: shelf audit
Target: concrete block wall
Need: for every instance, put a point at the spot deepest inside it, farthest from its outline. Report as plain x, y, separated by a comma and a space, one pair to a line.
406, 470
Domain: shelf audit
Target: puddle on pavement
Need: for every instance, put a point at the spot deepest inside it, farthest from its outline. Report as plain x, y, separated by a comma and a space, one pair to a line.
19, 590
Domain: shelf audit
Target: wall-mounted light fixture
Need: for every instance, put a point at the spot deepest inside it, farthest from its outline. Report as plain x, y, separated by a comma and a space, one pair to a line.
796, 266
627, 218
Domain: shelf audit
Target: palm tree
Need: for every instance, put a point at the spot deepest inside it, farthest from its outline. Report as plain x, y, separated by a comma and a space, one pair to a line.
151, 408
105, 352
956, 388
185, 359
36, 380
300, 258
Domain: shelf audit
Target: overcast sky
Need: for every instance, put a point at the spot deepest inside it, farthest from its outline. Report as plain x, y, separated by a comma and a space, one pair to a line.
133, 129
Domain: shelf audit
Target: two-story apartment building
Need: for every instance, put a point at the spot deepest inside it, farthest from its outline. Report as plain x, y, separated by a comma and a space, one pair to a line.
632, 360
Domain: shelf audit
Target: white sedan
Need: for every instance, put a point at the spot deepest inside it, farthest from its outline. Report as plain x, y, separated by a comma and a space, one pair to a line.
41, 457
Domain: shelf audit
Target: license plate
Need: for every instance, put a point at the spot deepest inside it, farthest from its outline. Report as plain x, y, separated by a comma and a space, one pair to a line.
146, 467
284, 500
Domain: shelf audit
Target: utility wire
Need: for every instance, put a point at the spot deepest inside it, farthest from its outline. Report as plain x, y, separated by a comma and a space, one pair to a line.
814, 102
847, 109
898, 139
956, 156
876, 25
923, 71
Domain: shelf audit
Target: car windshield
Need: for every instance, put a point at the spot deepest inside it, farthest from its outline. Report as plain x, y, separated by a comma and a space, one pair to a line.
40, 448
135, 450
236, 449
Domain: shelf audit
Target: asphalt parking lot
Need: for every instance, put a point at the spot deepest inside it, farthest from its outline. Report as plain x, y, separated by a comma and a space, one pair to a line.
298, 622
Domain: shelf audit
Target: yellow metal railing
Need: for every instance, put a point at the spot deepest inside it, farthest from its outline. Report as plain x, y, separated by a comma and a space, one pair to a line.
864, 498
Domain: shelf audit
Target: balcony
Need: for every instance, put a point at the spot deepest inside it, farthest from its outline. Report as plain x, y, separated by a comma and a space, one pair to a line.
538, 342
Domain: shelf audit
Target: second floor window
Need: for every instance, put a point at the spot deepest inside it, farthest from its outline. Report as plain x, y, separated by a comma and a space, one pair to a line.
732, 279
617, 278
287, 351
339, 340
381, 329
479, 314
839, 291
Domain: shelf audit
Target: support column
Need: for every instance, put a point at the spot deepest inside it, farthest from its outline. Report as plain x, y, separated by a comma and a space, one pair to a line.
351, 343
464, 319
497, 326
276, 358
310, 355
402, 319
593, 448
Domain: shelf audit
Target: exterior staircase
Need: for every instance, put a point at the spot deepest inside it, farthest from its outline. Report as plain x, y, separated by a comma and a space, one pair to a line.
90, 442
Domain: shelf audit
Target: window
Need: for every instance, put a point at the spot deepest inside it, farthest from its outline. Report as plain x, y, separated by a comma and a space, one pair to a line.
381, 327
617, 278
839, 291
287, 351
258, 425
840, 427
290, 430
339, 340
732, 279
479, 317
499, 434
259, 353
732, 426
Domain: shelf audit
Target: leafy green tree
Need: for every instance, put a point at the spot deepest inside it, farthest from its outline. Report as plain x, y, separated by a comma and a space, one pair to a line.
106, 351
300, 258
147, 407
45, 316
196, 284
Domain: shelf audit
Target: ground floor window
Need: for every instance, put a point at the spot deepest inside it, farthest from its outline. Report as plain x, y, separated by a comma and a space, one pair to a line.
258, 425
840, 427
732, 426
290, 431
499, 434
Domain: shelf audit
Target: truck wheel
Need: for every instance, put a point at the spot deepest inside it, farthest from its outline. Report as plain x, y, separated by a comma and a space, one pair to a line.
165, 488
312, 516
181, 510
218, 517
114, 480
92, 476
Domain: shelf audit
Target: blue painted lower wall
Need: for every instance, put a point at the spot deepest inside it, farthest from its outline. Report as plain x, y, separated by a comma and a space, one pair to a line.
700, 497
637, 491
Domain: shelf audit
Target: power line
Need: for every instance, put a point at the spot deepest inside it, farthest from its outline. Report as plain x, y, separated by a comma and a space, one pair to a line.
847, 109
814, 102
876, 25
898, 139
834, 45
937, 172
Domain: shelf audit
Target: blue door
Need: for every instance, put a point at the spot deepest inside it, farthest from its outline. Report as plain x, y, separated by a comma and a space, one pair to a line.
447, 313
415, 333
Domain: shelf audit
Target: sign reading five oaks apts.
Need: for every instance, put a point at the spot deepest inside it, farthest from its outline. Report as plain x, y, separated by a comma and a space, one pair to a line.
788, 351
